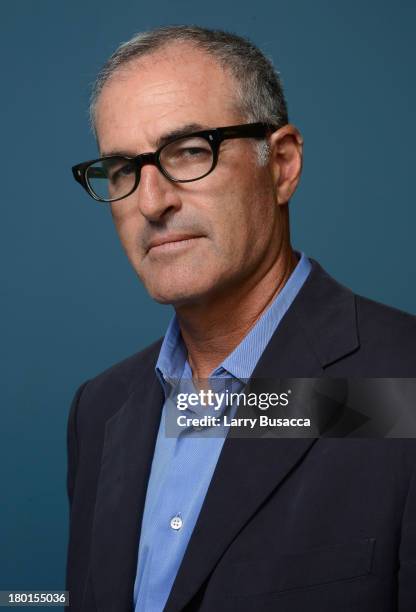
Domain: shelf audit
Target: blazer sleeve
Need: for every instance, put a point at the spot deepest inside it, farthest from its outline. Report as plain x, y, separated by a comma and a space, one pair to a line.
72, 443
407, 556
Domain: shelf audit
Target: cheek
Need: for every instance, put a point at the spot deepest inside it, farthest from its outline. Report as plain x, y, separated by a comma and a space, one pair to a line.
127, 223
246, 220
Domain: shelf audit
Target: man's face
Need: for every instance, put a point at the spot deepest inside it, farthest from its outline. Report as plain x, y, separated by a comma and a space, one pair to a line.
219, 229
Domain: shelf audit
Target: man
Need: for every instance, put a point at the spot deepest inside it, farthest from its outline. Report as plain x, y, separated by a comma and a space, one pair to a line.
227, 523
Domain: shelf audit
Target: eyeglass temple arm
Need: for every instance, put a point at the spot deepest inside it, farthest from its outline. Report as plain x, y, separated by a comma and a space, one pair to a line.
255, 130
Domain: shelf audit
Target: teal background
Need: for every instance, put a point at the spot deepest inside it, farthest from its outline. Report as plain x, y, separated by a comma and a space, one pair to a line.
71, 305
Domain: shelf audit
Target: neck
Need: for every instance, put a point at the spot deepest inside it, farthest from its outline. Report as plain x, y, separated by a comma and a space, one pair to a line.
212, 330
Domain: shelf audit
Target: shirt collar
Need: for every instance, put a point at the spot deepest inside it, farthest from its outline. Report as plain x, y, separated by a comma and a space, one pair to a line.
172, 358
242, 361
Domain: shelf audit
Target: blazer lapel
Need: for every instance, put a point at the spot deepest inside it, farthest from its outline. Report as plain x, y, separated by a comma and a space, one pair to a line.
318, 329
246, 474
125, 467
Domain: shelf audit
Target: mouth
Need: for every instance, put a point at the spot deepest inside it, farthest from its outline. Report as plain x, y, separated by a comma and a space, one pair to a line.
172, 243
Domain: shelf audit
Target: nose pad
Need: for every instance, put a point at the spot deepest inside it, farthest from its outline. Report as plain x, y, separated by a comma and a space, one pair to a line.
138, 174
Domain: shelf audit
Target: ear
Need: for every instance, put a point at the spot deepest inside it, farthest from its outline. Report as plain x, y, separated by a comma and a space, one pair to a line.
286, 148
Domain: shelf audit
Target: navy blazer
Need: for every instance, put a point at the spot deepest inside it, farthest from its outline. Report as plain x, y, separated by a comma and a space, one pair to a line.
288, 525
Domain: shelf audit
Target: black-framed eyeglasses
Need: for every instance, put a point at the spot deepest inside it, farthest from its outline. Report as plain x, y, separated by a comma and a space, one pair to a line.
182, 160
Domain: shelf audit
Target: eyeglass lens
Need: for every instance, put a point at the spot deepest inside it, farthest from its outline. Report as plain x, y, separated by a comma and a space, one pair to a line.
185, 159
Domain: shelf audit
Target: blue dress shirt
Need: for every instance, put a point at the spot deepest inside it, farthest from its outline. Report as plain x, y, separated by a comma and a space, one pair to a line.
183, 464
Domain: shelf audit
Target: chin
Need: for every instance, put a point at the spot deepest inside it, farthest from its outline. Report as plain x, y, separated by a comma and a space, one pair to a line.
184, 291
174, 298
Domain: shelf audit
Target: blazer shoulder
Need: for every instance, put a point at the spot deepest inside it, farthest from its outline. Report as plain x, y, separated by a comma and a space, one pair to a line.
388, 335
101, 396
124, 372
374, 315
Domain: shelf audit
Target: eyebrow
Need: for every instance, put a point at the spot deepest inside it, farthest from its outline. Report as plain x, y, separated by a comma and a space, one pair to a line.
184, 130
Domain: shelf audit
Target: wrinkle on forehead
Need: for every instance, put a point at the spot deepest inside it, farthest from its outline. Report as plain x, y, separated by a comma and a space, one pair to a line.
160, 92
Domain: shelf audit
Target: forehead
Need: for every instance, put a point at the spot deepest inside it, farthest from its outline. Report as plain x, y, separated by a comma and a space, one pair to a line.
175, 86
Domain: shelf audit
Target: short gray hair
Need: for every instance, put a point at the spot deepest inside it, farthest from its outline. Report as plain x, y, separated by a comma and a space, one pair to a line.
259, 91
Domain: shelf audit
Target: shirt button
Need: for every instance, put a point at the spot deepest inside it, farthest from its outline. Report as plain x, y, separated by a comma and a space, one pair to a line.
176, 522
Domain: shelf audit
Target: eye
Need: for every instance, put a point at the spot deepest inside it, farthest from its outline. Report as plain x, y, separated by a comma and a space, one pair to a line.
186, 149
120, 172
193, 153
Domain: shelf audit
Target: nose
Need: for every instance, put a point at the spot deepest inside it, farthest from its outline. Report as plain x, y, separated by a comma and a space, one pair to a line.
156, 195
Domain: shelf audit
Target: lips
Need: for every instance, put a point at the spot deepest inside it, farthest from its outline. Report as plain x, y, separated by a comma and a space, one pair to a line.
170, 239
